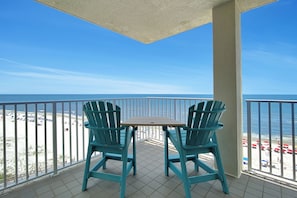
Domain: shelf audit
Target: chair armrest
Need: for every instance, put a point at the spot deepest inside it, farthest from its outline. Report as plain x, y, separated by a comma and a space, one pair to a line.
129, 134
218, 126
104, 129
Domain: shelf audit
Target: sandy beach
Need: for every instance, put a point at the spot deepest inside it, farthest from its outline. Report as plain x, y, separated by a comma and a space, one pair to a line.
69, 140
263, 156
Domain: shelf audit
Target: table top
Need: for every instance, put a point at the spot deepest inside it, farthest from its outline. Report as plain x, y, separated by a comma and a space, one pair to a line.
152, 121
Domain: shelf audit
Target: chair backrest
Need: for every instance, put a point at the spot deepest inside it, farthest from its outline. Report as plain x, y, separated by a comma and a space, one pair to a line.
104, 122
203, 121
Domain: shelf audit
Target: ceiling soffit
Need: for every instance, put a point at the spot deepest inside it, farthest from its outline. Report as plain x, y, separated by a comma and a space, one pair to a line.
146, 20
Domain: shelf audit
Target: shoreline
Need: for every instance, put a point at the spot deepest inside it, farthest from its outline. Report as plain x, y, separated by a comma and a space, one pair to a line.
275, 139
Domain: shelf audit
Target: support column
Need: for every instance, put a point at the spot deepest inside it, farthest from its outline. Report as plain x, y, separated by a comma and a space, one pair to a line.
228, 83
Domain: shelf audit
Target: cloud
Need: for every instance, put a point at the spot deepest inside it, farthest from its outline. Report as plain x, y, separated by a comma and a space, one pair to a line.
277, 54
65, 81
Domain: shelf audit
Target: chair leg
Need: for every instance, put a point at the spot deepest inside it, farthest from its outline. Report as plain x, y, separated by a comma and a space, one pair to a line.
104, 157
166, 154
187, 185
221, 171
124, 175
196, 163
134, 152
87, 169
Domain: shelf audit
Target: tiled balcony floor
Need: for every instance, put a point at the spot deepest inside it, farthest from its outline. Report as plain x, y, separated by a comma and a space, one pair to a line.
150, 181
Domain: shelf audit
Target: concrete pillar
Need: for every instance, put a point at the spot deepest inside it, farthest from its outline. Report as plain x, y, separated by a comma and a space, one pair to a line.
228, 83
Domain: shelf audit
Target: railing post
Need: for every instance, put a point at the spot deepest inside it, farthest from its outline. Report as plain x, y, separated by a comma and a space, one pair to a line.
27, 140
281, 138
55, 155
16, 143
4, 147
83, 130
270, 137
36, 140
293, 141
249, 135
76, 122
175, 116
149, 107
259, 135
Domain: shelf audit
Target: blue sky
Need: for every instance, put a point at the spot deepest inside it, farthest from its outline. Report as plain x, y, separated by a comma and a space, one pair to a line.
44, 51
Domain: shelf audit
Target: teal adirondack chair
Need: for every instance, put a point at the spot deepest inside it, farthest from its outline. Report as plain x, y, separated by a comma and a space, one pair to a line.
108, 137
199, 136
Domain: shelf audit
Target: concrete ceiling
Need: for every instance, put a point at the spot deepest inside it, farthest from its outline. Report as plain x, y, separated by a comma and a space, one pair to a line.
147, 20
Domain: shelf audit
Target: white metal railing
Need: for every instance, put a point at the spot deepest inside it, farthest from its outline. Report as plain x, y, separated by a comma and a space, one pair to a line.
270, 144
40, 138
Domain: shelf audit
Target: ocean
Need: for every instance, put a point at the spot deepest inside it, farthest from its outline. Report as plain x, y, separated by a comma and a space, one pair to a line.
263, 125
61, 97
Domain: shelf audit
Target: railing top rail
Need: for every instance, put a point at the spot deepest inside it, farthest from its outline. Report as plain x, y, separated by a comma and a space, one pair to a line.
271, 100
83, 100
39, 102
179, 98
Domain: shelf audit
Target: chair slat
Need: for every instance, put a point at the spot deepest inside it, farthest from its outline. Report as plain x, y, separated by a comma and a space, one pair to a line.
107, 121
204, 117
